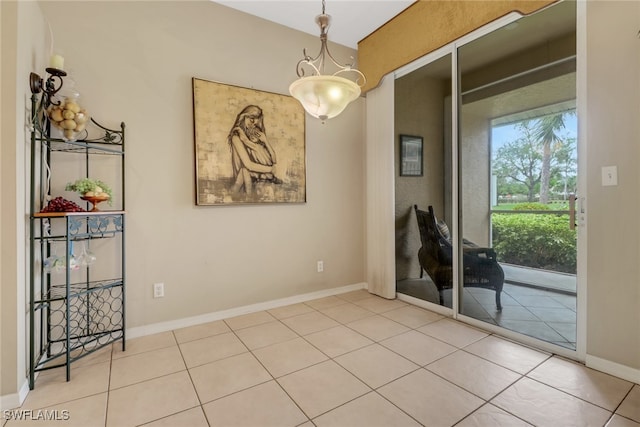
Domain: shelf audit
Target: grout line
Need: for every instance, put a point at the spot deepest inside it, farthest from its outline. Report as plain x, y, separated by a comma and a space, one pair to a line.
333, 359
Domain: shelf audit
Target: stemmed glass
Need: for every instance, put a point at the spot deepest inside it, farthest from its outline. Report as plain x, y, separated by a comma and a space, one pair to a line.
86, 257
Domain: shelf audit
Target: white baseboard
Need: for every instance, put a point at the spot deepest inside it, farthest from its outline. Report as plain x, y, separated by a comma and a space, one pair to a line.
140, 331
12, 401
612, 368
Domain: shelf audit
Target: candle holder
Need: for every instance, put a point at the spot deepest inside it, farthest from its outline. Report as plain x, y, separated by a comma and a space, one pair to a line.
52, 85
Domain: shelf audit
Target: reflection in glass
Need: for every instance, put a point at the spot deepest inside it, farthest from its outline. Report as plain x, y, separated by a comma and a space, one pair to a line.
423, 107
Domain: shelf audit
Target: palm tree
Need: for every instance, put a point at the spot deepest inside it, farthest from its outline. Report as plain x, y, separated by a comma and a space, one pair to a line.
546, 132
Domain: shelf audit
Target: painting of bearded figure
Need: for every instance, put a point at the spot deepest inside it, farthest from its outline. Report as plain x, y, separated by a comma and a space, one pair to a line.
249, 146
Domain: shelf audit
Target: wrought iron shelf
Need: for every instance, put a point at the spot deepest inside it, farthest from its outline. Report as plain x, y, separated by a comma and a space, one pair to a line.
80, 346
81, 147
65, 214
74, 313
61, 292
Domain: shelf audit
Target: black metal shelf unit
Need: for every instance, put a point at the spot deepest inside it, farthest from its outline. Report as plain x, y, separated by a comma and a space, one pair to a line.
75, 308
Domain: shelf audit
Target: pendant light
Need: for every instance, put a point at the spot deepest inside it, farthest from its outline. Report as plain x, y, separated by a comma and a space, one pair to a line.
325, 95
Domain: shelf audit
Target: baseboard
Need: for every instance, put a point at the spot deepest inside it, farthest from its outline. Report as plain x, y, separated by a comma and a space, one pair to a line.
12, 401
612, 368
140, 331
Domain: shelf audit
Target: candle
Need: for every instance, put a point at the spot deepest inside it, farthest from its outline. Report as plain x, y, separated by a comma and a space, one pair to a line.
57, 61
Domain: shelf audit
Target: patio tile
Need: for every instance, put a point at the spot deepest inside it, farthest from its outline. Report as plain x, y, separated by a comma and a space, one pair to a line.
542, 301
567, 330
534, 329
564, 315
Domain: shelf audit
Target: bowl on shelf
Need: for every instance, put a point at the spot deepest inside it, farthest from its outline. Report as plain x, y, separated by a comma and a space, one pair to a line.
94, 200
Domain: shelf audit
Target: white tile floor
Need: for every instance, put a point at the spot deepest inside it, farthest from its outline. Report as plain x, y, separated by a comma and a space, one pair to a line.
347, 360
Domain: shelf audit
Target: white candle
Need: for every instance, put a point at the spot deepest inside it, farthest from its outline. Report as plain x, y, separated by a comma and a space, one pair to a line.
57, 61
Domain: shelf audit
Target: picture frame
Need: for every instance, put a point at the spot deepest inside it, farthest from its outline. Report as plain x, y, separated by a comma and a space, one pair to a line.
411, 157
249, 146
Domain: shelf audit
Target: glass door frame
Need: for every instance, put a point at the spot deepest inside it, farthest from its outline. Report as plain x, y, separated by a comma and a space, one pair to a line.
452, 49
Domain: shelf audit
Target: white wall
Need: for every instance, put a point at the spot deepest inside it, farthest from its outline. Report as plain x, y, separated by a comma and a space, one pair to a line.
612, 129
28, 46
133, 62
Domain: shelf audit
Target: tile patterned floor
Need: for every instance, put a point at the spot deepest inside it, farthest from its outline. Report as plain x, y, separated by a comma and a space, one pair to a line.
540, 313
347, 360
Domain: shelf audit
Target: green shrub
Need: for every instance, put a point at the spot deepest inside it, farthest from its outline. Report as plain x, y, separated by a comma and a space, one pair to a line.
531, 206
533, 240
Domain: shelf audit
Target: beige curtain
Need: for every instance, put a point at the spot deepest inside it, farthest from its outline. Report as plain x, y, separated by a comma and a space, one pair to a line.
381, 274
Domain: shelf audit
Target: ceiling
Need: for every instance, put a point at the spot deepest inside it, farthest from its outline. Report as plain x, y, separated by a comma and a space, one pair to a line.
352, 20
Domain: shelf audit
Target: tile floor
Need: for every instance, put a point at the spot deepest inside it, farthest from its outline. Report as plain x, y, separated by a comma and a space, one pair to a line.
545, 314
347, 360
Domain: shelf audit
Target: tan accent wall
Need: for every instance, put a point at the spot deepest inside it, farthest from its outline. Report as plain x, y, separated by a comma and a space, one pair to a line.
426, 26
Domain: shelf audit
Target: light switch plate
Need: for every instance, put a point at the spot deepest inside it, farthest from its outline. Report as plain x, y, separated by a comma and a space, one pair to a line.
609, 175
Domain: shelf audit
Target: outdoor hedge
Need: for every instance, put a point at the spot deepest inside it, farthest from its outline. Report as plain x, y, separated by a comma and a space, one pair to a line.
535, 240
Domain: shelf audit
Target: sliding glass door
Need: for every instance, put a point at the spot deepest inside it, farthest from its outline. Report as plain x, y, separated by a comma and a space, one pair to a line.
497, 242
518, 175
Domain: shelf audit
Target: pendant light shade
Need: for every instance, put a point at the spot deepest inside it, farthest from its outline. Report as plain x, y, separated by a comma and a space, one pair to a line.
325, 96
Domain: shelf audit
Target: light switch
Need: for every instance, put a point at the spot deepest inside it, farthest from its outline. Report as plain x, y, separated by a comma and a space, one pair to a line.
609, 175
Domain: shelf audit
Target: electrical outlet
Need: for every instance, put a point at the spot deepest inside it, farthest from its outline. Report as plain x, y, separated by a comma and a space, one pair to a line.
158, 290
320, 266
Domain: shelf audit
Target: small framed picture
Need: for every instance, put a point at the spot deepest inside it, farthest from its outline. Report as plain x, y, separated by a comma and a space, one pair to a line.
410, 155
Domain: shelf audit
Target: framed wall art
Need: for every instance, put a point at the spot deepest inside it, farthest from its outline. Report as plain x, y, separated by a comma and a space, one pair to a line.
410, 155
249, 146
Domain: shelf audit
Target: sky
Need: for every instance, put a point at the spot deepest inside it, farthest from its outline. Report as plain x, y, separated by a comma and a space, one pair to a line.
502, 134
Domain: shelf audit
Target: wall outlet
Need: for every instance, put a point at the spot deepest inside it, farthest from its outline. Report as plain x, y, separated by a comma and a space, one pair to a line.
158, 290
320, 266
